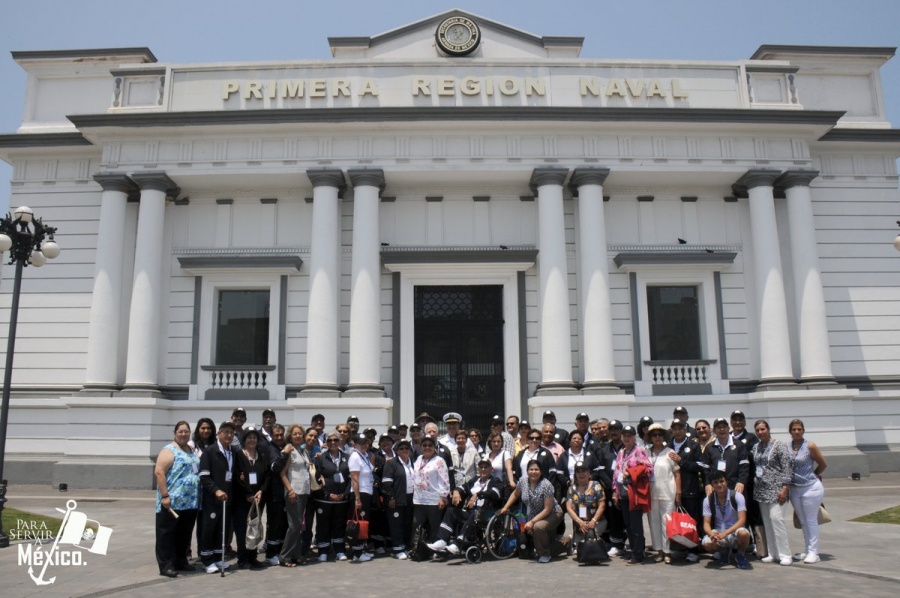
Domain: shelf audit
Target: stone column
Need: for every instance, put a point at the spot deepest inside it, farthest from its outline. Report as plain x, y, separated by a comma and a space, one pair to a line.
815, 354
556, 345
324, 283
774, 339
102, 373
365, 291
144, 324
596, 310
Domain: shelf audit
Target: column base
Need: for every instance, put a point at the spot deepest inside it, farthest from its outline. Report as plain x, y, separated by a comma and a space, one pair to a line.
555, 389
140, 390
320, 390
820, 381
364, 390
601, 387
99, 390
777, 383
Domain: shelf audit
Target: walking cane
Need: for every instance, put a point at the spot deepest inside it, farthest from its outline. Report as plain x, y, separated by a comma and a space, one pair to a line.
222, 568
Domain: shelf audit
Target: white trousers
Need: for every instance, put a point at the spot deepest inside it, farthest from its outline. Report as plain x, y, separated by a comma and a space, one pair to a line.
659, 508
776, 530
806, 503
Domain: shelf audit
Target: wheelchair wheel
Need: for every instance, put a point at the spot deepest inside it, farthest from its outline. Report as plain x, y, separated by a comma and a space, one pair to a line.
473, 555
502, 536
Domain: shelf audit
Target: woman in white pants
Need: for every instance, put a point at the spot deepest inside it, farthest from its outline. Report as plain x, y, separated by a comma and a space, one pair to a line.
806, 490
665, 490
772, 464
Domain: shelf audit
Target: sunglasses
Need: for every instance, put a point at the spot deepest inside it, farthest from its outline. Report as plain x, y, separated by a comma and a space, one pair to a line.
534, 438
332, 440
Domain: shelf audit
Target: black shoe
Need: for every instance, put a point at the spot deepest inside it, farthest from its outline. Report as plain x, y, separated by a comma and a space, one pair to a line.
255, 565
169, 573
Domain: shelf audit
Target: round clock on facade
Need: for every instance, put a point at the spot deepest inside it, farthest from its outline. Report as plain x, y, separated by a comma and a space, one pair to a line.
458, 36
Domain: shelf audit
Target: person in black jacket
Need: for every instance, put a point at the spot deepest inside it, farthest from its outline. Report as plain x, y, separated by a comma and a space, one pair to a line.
479, 497
332, 500
397, 493
535, 451
575, 454
723, 454
253, 483
615, 529
276, 518
688, 456
217, 466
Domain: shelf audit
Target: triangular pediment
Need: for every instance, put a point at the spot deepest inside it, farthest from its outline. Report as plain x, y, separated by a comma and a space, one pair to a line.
417, 41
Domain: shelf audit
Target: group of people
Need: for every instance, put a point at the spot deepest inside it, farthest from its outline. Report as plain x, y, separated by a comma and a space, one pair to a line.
605, 475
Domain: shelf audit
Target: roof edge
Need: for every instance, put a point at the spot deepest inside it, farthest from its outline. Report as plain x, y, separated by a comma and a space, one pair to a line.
885, 52
141, 52
474, 113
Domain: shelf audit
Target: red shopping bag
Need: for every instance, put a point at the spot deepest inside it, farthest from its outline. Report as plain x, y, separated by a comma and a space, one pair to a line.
681, 528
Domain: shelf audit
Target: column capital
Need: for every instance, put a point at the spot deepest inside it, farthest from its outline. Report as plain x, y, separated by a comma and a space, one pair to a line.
547, 176
758, 177
587, 176
796, 178
115, 181
153, 180
328, 177
371, 177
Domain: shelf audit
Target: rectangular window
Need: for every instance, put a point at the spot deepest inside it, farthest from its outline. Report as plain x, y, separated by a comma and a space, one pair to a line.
674, 321
242, 328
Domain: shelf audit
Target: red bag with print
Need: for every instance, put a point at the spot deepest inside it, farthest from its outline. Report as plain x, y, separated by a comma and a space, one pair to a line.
681, 528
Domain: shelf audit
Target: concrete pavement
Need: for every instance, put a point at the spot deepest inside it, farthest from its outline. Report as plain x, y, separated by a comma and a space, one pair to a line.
857, 559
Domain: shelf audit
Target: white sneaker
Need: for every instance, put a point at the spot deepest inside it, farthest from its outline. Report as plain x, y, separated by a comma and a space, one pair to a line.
363, 558
453, 549
544, 559
811, 558
274, 560
692, 558
799, 556
379, 550
786, 561
214, 568
340, 556
613, 551
323, 558
767, 559
439, 546
222, 564
401, 556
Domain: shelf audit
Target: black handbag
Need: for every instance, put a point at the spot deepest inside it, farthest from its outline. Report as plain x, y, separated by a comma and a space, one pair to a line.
592, 549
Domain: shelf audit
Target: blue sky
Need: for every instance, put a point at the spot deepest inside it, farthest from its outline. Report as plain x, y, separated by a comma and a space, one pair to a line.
182, 31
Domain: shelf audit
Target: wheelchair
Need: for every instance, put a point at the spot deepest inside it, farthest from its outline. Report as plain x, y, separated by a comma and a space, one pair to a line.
494, 534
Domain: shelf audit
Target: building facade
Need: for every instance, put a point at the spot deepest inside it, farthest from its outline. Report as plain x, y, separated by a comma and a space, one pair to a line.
453, 215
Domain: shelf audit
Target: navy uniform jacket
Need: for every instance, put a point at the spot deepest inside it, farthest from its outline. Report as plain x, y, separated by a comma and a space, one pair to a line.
393, 482
590, 459
213, 473
737, 463
326, 469
607, 455
492, 493
692, 468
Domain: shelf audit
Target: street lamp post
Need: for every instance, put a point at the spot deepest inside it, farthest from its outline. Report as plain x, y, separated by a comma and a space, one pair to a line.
28, 241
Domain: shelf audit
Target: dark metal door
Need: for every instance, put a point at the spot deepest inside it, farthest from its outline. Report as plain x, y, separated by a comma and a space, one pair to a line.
459, 352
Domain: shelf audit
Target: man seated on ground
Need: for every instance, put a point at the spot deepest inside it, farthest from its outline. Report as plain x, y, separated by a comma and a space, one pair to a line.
724, 518
482, 495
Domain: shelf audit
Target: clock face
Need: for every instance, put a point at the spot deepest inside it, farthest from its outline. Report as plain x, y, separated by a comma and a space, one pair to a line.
458, 36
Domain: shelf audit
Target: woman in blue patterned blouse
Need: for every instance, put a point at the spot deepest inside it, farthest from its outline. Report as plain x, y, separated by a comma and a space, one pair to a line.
177, 501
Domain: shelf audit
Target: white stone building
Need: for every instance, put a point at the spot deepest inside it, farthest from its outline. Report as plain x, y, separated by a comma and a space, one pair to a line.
452, 215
